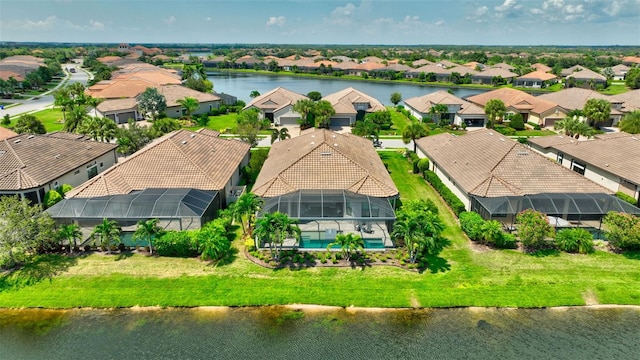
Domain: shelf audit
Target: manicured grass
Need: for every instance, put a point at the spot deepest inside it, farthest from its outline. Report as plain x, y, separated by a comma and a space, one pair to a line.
399, 120
535, 133
224, 123
615, 88
459, 276
51, 119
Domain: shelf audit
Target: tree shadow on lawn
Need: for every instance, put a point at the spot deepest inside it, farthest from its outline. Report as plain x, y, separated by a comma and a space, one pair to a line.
229, 258
545, 252
634, 255
37, 269
435, 264
123, 255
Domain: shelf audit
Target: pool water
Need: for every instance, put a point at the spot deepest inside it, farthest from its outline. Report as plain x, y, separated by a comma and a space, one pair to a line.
307, 243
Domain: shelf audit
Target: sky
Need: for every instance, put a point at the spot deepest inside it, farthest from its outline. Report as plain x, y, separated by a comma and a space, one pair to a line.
383, 22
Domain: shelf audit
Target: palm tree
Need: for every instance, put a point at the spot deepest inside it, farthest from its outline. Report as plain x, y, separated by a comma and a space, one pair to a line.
190, 105
93, 102
322, 112
275, 228
71, 233
213, 241
574, 127
76, 91
597, 111
437, 110
147, 230
254, 94
246, 207
409, 229
99, 128
281, 134
62, 98
304, 107
491, 231
413, 132
77, 116
349, 243
495, 110
108, 233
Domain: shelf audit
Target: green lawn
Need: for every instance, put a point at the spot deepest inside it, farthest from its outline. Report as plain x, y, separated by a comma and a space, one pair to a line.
51, 118
615, 88
224, 123
399, 120
535, 133
459, 276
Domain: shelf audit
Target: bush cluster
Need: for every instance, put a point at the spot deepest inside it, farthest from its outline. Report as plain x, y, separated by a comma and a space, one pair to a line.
478, 229
449, 197
630, 199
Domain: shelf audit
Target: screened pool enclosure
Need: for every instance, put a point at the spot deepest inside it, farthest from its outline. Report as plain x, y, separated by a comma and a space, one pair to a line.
176, 209
323, 214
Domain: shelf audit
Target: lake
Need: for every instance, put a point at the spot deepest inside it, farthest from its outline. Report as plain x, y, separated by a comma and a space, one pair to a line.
241, 85
278, 333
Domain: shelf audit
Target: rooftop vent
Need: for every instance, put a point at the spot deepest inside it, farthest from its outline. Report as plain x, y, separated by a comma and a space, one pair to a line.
184, 142
335, 144
313, 143
2, 152
57, 156
634, 138
31, 136
523, 153
325, 153
490, 133
501, 139
17, 141
193, 135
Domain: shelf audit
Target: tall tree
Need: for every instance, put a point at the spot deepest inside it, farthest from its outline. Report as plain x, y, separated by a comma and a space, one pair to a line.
77, 115
76, 91
574, 127
213, 240
107, 233
281, 134
152, 103
147, 230
190, 105
533, 228
597, 111
304, 107
274, 228
23, 230
437, 111
495, 110
322, 112
412, 132
396, 97
93, 102
132, 138
420, 226
99, 128
245, 210
254, 94
366, 128
62, 98
314, 95
71, 233
630, 122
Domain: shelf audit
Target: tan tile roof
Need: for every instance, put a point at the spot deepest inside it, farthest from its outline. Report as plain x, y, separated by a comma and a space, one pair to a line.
6, 74
616, 153
630, 100
120, 89
485, 163
6, 133
575, 98
503, 66
424, 103
275, 99
587, 74
323, 159
109, 59
181, 159
371, 65
491, 72
541, 67
538, 75
34, 160
173, 93
550, 141
159, 77
421, 62
568, 71
343, 101
117, 104
514, 98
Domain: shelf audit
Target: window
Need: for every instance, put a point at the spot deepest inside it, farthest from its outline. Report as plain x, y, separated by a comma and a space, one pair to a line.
560, 158
578, 167
92, 171
76, 172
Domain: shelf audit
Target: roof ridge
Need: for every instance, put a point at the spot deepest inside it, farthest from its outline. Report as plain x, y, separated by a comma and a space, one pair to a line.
191, 161
22, 165
503, 157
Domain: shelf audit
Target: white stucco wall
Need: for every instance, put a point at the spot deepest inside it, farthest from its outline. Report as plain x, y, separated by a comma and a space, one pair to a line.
286, 112
107, 160
452, 186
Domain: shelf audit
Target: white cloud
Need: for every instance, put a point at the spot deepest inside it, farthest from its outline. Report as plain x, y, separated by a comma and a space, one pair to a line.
342, 14
276, 21
614, 8
439, 22
208, 18
95, 25
47, 23
170, 21
506, 5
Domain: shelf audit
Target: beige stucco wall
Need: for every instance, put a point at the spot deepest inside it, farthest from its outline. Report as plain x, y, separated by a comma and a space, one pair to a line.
107, 160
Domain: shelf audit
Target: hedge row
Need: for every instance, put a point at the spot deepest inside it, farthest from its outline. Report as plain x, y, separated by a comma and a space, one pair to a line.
478, 229
630, 199
456, 205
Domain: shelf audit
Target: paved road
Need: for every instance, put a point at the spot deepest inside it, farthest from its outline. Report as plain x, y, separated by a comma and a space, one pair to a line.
45, 100
386, 143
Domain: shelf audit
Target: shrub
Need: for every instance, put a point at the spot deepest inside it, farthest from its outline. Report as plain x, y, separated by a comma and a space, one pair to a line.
423, 165
449, 197
175, 243
506, 241
471, 223
63, 189
414, 163
517, 122
574, 240
623, 230
533, 228
51, 198
630, 199
506, 131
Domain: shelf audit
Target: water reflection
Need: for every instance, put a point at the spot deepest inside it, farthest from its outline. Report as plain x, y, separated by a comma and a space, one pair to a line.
282, 333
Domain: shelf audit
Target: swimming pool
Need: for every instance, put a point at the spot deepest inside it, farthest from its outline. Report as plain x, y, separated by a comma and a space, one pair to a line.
313, 241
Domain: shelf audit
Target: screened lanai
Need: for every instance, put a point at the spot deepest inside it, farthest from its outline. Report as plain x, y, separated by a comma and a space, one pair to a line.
322, 214
176, 209
563, 210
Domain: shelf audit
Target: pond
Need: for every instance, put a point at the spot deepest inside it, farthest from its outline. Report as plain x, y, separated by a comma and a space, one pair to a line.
336, 333
242, 84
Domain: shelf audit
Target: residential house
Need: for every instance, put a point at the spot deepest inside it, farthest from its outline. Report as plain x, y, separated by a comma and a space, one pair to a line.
6, 133
568, 71
474, 65
541, 67
277, 106
248, 62
31, 165
332, 183
182, 159
391, 71
173, 93
631, 60
487, 76
610, 160
585, 78
620, 72
351, 105
421, 62
120, 110
498, 177
630, 100
459, 111
503, 66
532, 108
576, 98
536, 79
